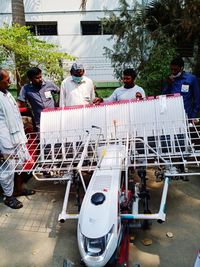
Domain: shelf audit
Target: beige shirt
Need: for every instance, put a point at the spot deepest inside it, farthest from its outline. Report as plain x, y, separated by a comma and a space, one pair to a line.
72, 93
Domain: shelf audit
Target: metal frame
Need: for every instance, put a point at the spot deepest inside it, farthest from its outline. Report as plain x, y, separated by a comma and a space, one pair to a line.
169, 144
51, 161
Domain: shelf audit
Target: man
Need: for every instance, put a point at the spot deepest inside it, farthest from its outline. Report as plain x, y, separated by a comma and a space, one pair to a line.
76, 89
128, 91
38, 93
11, 137
185, 84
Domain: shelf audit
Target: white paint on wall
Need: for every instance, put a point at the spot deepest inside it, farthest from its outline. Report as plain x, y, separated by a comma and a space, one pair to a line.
89, 49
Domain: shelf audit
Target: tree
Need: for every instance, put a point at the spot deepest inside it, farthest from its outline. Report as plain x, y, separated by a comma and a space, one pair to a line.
179, 21
38, 52
156, 69
134, 47
18, 18
129, 39
18, 15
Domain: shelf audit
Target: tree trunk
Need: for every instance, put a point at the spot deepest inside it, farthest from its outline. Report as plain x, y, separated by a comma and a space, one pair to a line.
83, 4
18, 15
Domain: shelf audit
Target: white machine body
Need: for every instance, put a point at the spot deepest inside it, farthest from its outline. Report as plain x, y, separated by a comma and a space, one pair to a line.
108, 139
99, 221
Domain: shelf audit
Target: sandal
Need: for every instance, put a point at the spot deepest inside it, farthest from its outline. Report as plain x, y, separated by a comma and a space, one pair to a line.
25, 192
13, 203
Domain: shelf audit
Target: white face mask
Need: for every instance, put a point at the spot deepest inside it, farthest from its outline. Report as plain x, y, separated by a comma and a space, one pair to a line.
177, 75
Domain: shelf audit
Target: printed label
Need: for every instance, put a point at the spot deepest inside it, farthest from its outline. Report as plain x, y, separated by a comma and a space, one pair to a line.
185, 88
48, 94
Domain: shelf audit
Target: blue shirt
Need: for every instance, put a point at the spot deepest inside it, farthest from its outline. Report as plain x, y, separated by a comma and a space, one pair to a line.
186, 85
38, 98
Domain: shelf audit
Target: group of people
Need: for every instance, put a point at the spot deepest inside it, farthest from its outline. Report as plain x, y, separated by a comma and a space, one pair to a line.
77, 89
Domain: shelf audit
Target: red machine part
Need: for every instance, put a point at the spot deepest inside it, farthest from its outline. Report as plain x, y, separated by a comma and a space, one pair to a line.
32, 140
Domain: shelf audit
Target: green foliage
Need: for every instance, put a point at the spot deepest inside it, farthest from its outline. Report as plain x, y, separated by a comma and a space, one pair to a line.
149, 53
2, 55
157, 67
179, 21
131, 42
148, 37
135, 46
18, 42
104, 92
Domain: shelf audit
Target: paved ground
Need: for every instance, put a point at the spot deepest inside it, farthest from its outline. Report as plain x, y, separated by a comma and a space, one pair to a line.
32, 237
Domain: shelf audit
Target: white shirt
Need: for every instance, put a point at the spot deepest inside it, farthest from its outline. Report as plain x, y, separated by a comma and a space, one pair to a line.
73, 93
122, 93
10, 138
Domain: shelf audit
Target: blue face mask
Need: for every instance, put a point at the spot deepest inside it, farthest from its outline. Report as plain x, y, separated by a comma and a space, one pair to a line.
77, 79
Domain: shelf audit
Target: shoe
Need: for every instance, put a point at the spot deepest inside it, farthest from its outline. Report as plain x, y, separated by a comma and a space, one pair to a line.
13, 203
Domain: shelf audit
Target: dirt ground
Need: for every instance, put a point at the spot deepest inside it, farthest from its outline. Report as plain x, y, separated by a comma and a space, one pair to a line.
32, 236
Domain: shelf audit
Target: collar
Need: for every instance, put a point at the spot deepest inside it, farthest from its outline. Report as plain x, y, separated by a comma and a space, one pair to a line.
181, 76
4, 93
43, 83
129, 88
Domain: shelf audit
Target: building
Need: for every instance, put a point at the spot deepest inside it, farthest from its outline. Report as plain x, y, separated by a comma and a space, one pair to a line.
76, 32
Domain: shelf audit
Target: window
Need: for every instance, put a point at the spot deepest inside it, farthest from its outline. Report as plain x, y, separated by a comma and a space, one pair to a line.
93, 28
43, 28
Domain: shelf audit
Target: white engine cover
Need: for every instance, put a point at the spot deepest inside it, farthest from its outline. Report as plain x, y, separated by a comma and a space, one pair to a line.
97, 220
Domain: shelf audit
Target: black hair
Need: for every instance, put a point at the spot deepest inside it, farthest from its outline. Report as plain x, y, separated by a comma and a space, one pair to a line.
130, 72
33, 72
177, 61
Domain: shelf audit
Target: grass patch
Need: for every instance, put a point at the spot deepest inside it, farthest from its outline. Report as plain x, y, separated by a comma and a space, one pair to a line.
100, 92
104, 92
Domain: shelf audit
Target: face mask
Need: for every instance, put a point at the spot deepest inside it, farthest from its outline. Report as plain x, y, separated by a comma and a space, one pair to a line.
177, 75
128, 86
77, 79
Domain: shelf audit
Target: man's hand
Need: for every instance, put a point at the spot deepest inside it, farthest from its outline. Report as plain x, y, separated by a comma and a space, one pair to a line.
97, 100
138, 96
195, 121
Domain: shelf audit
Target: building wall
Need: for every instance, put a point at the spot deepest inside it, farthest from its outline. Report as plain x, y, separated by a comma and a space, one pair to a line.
87, 48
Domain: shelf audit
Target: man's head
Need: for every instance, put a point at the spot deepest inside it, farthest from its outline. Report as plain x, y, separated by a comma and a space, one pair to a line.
35, 76
77, 72
4, 80
176, 66
129, 76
